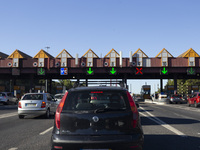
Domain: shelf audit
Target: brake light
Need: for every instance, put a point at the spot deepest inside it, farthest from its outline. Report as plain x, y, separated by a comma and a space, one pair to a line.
171, 97
43, 105
96, 92
58, 147
59, 110
19, 105
134, 110
181, 97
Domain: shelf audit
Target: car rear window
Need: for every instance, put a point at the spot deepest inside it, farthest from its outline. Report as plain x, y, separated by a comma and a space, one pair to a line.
176, 96
33, 97
2, 94
91, 100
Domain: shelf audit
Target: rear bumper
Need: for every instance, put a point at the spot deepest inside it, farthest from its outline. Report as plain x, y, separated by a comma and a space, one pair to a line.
31, 112
176, 100
114, 142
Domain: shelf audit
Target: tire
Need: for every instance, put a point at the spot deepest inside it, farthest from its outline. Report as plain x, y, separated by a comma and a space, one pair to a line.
47, 115
195, 104
6, 103
21, 117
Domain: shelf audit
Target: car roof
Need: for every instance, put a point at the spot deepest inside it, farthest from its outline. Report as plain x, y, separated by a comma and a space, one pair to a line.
98, 88
36, 93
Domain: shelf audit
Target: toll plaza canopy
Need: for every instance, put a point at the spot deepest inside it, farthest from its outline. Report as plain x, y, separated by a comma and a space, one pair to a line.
90, 66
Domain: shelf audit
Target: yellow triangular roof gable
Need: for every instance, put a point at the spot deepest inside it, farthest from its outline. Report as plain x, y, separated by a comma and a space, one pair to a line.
18, 54
42, 54
2, 55
189, 53
92, 52
64, 50
138, 51
162, 51
111, 52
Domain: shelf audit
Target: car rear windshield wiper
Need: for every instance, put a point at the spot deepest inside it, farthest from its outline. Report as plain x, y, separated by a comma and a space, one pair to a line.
99, 110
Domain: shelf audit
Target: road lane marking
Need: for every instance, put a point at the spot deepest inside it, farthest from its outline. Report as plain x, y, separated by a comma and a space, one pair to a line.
14, 148
44, 132
162, 123
8, 115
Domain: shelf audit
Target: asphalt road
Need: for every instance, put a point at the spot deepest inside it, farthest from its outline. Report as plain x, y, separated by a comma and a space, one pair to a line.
166, 127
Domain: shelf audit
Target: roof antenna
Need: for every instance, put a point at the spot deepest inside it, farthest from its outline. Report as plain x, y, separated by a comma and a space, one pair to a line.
47, 47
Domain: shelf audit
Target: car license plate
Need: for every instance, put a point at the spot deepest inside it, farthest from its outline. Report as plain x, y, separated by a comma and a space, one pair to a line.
30, 104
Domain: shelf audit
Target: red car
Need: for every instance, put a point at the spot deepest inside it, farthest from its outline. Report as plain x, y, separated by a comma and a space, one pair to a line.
194, 100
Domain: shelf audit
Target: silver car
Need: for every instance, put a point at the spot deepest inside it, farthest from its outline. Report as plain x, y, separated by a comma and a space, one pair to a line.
59, 97
7, 98
36, 104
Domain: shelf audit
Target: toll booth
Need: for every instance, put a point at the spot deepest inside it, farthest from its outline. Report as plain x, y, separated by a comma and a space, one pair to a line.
111, 58
43, 59
190, 55
164, 55
140, 59
15, 59
169, 89
89, 55
63, 57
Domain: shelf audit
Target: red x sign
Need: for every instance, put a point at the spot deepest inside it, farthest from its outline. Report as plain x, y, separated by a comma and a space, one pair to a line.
139, 71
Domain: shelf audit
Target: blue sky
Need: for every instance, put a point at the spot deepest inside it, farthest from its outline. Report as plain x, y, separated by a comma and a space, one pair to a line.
77, 25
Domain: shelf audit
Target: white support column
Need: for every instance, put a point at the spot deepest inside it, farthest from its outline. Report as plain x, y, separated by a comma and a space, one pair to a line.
120, 59
76, 60
130, 57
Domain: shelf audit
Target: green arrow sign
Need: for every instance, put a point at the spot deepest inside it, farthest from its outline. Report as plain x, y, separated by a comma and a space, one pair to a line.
113, 71
41, 71
89, 71
164, 71
191, 71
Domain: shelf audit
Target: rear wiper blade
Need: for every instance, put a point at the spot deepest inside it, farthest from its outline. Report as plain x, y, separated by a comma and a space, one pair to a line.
99, 110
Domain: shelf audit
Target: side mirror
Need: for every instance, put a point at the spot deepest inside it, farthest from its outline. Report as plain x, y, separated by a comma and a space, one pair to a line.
137, 105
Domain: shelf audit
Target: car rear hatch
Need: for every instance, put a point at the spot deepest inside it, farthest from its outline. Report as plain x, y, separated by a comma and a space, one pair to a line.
97, 113
32, 101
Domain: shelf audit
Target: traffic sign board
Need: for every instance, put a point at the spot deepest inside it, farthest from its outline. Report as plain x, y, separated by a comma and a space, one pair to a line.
63, 71
163, 71
90, 72
191, 71
40, 71
139, 71
113, 71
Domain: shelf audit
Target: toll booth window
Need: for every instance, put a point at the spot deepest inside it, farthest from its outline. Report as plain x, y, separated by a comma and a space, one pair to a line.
164, 63
41, 62
15, 62
191, 63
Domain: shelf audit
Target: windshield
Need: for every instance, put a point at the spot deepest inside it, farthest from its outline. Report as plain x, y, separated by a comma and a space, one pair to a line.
59, 96
33, 97
91, 100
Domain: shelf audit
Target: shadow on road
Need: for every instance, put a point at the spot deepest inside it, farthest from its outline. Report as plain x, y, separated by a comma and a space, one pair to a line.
170, 142
170, 121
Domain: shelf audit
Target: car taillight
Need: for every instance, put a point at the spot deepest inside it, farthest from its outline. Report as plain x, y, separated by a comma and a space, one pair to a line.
59, 110
181, 97
43, 105
171, 97
19, 105
134, 110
